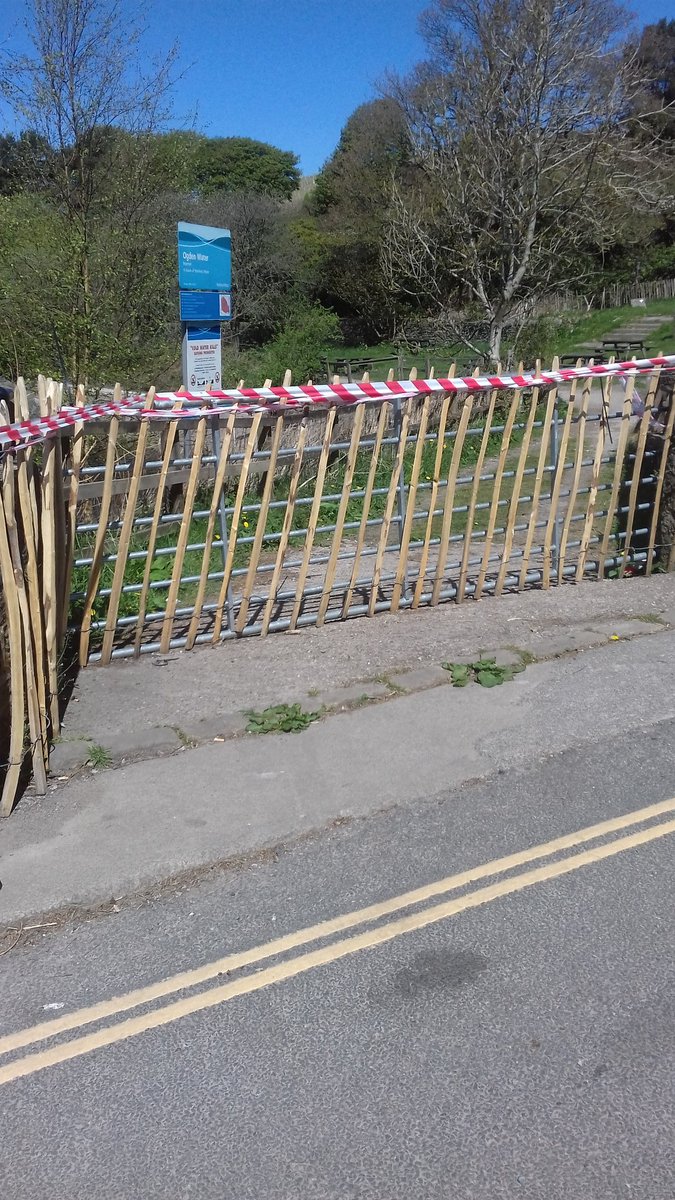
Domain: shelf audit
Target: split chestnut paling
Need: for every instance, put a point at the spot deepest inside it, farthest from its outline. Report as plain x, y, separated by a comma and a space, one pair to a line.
149, 524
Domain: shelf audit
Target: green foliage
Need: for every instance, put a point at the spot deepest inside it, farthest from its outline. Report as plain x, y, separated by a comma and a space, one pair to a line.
239, 164
484, 671
124, 328
349, 209
280, 718
542, 338
18, 156
302, 343
99, 757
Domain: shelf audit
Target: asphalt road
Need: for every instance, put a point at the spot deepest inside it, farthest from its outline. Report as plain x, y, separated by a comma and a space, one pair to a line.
519, 1044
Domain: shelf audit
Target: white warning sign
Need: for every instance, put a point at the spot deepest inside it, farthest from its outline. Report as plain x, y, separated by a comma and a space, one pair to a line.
202, 361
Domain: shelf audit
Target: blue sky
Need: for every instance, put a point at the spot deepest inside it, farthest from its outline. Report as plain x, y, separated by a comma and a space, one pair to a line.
288, 72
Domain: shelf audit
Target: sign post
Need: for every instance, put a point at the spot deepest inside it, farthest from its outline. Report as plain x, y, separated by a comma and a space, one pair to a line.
205, 288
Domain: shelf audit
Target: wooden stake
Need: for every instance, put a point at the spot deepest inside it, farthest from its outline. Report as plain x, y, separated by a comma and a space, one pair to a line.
170, 435
77, 450
183, 535
475, 488
48, 522
663, 462
61, 580
99, 543
389, 506
556, 486
637, 467
496, 491
314, 514
538, 481
449, 502
587, 529
574, 486
433, 494
125, 536
287, 526
25, 475
410, 504
626, 418
261, 526
352, 455
16, 677
234, 524
512, 512
218, 485
39, 749
367, 501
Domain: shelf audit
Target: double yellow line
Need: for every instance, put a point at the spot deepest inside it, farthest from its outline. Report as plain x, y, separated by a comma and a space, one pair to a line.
153, 1018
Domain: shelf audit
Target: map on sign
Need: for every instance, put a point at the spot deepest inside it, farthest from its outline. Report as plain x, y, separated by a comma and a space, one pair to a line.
204, 258
205, 306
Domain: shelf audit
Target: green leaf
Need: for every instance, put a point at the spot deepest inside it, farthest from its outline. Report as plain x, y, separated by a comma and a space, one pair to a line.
459, 672
488, 679
280, 718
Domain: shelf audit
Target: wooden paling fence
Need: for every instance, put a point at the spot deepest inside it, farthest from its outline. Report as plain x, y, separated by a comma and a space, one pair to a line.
123, 537
38, 499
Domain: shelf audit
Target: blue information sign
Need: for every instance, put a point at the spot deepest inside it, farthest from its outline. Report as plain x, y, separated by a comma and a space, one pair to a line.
204, 258
205, 306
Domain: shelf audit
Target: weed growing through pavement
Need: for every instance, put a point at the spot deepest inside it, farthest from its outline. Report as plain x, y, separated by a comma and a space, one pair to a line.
99, 756
280, 718
485, 672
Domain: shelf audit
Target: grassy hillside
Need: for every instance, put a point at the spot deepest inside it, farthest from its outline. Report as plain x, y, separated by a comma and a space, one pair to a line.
574, 330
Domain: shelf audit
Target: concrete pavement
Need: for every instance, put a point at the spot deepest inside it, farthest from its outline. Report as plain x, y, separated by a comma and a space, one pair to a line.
184, 688
112, 833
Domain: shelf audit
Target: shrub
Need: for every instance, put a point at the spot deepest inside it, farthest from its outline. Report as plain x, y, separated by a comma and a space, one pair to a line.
541, 338
302, 344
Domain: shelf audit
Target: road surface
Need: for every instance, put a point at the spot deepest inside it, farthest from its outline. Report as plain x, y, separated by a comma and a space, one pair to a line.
504, 1032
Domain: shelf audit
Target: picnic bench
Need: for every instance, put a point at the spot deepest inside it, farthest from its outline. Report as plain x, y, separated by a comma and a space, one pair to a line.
625, 345
356, 366
571, 360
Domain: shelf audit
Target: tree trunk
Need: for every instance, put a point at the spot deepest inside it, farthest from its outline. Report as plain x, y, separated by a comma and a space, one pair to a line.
495, 340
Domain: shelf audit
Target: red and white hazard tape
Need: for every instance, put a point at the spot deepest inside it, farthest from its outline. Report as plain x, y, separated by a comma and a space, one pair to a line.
251, 400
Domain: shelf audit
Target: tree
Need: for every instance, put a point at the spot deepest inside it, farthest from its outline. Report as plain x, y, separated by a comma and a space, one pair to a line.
519, 121
349, 215
89, 94
210, 166
265, 259
238, 164
301, 344
373, 143
18, 156
655, 66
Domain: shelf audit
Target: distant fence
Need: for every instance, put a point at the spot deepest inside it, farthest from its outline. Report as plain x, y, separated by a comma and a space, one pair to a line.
615, 295
148, 524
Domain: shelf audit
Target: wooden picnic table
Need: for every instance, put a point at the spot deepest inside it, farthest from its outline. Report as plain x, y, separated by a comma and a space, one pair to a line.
629, 339
571, 360
626, 344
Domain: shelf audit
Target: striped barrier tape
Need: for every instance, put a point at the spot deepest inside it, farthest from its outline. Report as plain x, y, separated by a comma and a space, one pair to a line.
250, 400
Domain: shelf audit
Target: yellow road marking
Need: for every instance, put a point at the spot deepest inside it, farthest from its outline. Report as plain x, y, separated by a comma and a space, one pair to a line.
326, 954
301, 937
